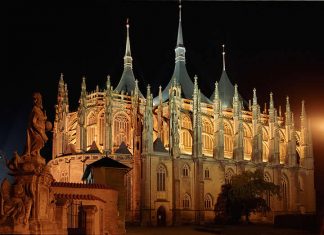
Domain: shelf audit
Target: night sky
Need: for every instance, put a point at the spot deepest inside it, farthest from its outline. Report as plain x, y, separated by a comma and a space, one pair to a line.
272, 46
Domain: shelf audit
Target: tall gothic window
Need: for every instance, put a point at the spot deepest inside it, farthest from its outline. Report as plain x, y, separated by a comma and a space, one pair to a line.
207, 133
161, 175
267, 194
91, 129
208, 201
247, 142
121, 129
101, 128
186, 201
185, 170
186, 138
228, 176
265, 149
228, 140
284, 192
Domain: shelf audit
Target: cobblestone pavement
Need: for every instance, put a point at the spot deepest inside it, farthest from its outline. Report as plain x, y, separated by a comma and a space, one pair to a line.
227, 230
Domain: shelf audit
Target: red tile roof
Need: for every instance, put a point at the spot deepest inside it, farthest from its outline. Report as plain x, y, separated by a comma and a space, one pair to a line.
79, 185
77, 197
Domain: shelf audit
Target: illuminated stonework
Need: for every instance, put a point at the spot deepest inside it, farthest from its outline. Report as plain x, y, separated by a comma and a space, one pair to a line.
181, 145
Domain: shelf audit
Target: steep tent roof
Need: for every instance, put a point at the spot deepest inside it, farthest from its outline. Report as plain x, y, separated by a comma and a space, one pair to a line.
225, 88
127, 81
104, 162
180, 73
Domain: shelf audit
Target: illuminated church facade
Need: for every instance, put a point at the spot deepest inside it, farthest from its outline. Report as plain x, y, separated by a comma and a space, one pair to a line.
181, 145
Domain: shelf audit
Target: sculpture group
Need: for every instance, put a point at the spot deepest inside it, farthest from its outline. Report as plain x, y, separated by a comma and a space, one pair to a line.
23, 202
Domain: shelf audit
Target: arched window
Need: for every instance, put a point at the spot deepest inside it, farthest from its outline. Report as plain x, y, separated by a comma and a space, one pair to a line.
91, 129
228, 140
121, 129
101, 128
186, 202
247, 141
267, 178
228, 176
208, 201
265, 151
186, 123
185, 170
186, 138
284, 192
207, 173
207, 133
160, 178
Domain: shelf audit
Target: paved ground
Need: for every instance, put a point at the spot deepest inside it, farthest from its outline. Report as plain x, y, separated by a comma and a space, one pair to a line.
227, 230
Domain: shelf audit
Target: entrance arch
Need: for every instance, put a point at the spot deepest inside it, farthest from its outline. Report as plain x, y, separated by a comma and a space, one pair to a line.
161, 216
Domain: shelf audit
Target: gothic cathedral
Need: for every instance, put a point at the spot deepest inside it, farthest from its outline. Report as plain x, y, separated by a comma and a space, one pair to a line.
181, 145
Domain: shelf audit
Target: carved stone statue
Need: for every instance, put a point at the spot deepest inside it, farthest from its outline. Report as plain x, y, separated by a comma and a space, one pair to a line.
37, 125
15, 205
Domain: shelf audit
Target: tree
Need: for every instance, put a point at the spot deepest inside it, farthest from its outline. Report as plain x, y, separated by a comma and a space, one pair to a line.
244, 195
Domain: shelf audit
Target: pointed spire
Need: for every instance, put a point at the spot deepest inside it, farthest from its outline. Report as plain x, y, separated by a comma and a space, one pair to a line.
287, 104
255, 99
236, 96
83, 85
223, 57
180, 38
303, 111
216, 91
61, 79
148, 91
280, 111
108, 82
127, 58
271, 106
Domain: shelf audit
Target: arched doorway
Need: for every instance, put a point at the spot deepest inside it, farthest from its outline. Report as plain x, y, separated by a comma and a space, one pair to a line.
161, 216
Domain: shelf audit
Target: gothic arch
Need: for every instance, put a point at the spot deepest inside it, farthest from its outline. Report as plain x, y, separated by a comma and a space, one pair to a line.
121, 128
161, 175
207, 136
208, 201
186, 201
92, 121
267, 178
101, 127
228, 175
247, 133
228, 139
284, 191
185, 170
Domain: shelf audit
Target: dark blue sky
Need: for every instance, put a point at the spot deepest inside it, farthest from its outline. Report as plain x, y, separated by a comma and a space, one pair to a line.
273, 46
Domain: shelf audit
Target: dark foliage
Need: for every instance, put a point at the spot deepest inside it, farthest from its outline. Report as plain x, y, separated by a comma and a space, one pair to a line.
243, 196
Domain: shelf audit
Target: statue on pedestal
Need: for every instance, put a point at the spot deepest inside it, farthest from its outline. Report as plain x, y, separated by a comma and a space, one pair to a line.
31, 176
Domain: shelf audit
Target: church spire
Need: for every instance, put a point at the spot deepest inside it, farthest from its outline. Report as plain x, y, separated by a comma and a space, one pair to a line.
127, 82
180, 38
128, 57
223, 53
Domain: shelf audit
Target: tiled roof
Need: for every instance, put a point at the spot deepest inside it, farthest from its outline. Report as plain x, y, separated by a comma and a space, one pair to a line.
79, 185
77, 196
